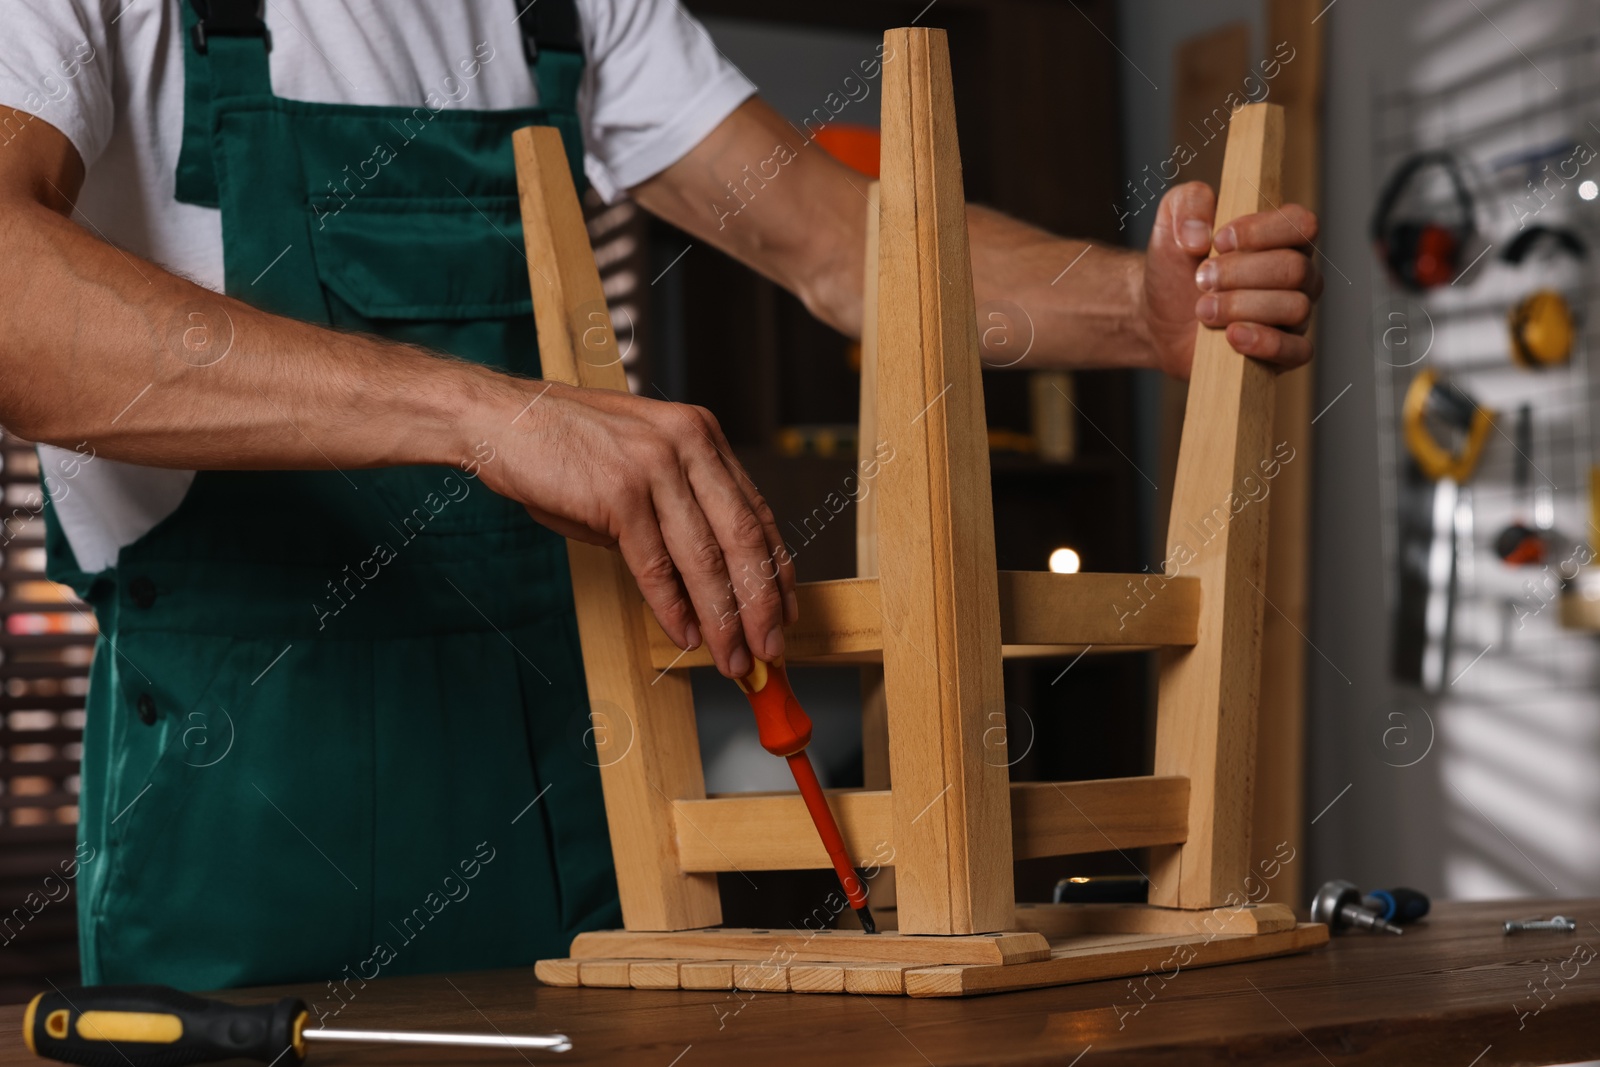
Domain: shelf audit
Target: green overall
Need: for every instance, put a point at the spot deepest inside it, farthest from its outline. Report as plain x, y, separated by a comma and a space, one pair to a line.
337, 722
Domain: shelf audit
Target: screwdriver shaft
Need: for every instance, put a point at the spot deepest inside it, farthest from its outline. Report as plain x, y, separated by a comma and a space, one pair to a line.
552, 1042
1357, 916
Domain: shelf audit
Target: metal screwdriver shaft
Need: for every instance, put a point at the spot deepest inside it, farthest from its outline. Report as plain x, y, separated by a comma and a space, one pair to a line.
547, 1042
1365, 920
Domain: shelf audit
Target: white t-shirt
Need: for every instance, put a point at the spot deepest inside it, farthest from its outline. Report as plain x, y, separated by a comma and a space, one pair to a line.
109, 75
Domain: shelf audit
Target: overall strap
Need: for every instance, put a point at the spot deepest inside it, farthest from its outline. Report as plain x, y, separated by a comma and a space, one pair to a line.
552, 43
226, 18
225, 45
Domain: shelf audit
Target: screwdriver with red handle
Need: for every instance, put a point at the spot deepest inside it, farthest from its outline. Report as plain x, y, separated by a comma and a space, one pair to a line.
158, 1026
785, 730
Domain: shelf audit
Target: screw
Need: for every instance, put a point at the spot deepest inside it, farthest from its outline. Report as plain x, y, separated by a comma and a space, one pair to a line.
1560, 922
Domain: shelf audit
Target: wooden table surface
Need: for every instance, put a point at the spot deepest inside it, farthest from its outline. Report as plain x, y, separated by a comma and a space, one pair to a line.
1454, 990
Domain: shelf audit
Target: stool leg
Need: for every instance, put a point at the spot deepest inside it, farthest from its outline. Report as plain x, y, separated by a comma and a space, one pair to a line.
952, 815
643, 728
1206, 715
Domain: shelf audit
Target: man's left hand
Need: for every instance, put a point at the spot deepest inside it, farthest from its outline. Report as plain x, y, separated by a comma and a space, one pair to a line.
1260, 286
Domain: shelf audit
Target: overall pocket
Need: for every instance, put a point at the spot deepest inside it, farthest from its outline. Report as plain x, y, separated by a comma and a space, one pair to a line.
447, 274
410, 264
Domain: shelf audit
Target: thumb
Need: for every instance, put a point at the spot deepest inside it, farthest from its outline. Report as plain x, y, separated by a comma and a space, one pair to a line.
1181, 237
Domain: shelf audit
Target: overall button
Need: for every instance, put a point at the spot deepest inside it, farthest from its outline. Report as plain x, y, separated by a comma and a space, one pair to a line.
143, 591
147, 709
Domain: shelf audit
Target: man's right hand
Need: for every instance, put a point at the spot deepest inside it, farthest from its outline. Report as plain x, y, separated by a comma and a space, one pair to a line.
659, 482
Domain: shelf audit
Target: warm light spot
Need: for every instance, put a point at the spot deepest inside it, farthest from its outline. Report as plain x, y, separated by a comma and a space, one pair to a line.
1064, 561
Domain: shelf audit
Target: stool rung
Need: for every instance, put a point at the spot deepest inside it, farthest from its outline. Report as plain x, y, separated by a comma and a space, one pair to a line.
1040, 614
773, 832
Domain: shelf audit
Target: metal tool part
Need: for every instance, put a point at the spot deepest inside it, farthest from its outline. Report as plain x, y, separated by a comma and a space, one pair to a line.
1338, 903
1559, 922
548, 1042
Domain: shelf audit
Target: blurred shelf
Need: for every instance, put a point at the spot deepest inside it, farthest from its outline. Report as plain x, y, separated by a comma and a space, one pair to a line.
1015, 465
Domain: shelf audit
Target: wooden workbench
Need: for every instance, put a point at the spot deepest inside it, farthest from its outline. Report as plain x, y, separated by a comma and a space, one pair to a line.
1448, 992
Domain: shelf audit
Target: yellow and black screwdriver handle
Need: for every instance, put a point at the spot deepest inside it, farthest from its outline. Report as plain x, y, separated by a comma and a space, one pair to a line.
156, 1026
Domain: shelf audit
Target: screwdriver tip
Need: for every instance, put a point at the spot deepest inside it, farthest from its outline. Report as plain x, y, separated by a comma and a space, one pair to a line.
864, 913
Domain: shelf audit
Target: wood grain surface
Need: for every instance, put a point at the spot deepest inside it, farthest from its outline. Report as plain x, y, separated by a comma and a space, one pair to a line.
1446, 993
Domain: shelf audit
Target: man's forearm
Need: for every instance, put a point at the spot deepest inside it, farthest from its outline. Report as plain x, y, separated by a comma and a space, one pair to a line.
1080, 301
149, 368
804, 226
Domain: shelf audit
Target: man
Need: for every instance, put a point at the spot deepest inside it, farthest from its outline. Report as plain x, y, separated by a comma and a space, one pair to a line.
337, 716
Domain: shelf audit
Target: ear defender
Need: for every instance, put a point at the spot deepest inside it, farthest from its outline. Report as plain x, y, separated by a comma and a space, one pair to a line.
1423, 252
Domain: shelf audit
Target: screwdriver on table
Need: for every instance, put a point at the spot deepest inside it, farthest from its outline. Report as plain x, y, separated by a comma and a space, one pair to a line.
1399, 905
158, 1026
785, 730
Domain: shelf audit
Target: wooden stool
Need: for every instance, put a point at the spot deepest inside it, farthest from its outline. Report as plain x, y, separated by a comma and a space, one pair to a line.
941, 617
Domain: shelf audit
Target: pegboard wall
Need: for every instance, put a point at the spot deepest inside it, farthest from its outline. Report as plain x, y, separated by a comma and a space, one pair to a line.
1509, 693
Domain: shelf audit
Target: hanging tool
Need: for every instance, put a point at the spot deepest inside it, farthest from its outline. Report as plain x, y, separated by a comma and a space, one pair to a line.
785, 730
1435, 535
1520, 543
158, 1026
1338, 903
1426, 578
1445, 431
1556, 238
1445, 428
1556, 544
1543, 330
1400, 906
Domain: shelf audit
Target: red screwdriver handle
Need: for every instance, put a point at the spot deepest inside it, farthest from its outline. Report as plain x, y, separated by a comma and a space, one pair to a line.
783, 725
